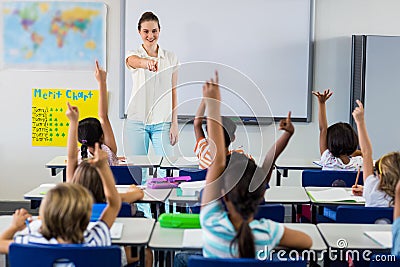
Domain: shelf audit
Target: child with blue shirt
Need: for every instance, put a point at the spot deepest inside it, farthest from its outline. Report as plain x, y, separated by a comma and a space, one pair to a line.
235, 233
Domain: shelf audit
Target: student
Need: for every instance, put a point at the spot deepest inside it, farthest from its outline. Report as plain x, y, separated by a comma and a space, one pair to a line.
379, 189
92, 130
65, 213
396, 223
338, 142
90, 179
234, 233
83, 174
202, 148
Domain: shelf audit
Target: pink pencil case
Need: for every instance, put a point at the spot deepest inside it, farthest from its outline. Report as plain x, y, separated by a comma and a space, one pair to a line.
166, 182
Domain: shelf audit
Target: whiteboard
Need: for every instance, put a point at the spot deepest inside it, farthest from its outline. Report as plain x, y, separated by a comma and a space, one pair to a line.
261, 48
382, 96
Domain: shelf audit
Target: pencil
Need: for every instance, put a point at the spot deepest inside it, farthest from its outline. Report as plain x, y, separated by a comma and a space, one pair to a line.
358, 175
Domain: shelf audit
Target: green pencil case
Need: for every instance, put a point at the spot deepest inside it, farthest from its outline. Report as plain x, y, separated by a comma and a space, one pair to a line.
179, 220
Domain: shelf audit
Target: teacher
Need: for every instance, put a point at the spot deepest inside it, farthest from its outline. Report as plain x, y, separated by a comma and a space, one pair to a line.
151, 111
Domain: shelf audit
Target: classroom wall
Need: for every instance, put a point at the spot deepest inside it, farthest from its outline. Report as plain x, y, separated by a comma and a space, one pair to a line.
22, 166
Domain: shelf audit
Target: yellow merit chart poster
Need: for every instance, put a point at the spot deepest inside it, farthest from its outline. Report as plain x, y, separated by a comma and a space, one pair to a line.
49, 122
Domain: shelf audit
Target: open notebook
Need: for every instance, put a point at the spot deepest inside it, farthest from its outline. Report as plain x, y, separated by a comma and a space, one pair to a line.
335, 194
383, 238
192, 238
116, 229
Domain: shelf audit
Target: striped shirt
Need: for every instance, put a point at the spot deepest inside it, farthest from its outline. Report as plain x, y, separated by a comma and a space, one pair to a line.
218, 232
98, 235
202, 151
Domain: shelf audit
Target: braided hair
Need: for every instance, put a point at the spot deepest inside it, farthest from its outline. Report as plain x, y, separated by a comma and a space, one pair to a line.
89, 133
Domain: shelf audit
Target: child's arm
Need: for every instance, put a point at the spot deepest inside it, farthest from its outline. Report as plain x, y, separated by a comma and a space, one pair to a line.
198, 121
173, 132
279, 146
109, 139
323, 123
17, 224
99, 161
72, 151
142, 63
295, 239
133, 194
212, 98
365, 143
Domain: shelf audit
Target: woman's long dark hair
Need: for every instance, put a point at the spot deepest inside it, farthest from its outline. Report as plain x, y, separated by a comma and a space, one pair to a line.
238, 178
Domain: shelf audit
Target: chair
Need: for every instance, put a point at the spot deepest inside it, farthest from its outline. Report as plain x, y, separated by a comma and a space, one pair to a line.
326, 178
97, 209
275, 212
384, 260
361, 214
34, 255
195, 174
126, 175
198, 261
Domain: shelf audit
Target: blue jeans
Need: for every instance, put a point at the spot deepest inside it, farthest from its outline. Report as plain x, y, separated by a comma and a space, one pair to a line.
136, 142
137, 136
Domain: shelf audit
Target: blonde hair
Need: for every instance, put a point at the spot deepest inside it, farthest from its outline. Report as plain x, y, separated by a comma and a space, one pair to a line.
388, 167
65, 212
87, 176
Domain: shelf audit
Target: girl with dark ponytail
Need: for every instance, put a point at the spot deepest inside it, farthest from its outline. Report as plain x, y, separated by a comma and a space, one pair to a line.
241, 185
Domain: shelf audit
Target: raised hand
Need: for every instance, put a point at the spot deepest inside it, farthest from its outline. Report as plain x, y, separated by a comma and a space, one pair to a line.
211, 90
286, 124
358, 113
99, 158
72, 113
323, 97
152, 65
100, 74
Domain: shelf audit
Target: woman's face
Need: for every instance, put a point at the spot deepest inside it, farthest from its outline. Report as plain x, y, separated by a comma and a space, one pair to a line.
149, 32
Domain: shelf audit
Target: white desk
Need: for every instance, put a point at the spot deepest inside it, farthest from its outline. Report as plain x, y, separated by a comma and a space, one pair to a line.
174, 163
171, 238
59, 163
315, 204
181, 201
283, 166
153, 196
353, 234
286, 195
293, 195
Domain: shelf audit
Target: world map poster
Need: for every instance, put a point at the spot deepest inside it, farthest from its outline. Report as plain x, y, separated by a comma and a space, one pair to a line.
53, 35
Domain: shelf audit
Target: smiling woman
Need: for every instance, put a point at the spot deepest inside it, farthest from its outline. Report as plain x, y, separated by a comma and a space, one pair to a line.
151, 111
